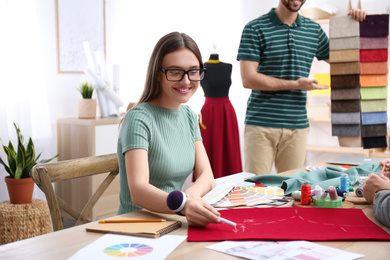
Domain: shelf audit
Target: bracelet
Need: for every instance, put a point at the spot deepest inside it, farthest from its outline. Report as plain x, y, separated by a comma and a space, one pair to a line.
176, 200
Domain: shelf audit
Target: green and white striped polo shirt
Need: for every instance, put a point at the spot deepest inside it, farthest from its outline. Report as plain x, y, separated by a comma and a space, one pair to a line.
284, 52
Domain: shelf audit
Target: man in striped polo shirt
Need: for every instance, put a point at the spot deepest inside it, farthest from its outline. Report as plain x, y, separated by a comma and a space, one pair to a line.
276, 52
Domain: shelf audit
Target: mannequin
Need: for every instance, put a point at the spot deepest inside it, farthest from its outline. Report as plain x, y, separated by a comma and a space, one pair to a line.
219, 128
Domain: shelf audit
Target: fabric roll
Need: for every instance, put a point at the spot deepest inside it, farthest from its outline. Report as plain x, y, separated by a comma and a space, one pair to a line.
373, 93
374, 142
346, 43
374, 67
342, 106
341, 81
345, 130
350, 141
343, 26
337, 56
379, 105
344, 68
374, 130
373, 55
375, 26
373, 80
345, 118
372, 43
345, 93
374, 118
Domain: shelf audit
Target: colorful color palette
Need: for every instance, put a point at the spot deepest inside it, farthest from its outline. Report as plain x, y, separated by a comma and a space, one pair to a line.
128, 250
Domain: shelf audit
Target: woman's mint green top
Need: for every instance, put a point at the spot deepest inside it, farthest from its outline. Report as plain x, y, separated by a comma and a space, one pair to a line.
169, 138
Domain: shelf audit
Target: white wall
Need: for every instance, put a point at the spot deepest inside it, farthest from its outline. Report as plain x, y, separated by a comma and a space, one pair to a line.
132, 29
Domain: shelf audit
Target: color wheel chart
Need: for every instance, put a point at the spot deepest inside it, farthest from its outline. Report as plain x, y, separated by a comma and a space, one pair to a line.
128, 250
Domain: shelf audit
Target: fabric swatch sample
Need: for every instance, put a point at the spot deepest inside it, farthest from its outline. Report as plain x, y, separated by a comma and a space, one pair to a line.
344, 68
343, 26
376, 105
341, 81
350, 141
345, 93
371, 43
373, 55
291, 223
374, 142
345, 130
336, 56
375, 26
373, 93
374, 67
345, 118
379, 80
340, 106
374, 130
345, 43
374, 118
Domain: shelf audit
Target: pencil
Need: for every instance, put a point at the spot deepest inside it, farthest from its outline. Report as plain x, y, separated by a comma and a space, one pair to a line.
383, 169
130, 220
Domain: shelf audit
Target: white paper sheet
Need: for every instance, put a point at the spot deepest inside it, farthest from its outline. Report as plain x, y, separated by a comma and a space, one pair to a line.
110, 245
271, 250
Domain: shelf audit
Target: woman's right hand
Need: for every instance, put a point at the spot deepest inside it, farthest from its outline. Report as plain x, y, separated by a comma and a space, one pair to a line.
386, 163
199, 213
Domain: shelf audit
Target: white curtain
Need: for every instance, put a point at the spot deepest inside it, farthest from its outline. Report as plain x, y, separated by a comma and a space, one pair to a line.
23, 97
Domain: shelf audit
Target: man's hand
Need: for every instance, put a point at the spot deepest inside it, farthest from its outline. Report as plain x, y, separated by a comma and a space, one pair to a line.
358, 14
309, 84
374, 183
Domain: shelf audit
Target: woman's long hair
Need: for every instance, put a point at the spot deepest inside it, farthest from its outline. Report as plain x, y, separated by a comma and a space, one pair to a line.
167, 44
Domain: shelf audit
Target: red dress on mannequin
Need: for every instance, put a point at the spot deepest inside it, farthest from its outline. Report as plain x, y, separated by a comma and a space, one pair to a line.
219, 128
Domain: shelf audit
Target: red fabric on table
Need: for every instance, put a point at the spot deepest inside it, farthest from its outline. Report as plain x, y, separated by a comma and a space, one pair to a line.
312, 224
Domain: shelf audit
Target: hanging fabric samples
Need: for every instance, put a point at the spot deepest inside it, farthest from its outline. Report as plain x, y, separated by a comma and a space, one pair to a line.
359, 72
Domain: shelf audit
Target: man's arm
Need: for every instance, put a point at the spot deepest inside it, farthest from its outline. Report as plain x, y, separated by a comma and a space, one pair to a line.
382, 207
251, 79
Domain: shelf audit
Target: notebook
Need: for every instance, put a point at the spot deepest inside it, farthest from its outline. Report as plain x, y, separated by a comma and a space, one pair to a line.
146, 229
355, 160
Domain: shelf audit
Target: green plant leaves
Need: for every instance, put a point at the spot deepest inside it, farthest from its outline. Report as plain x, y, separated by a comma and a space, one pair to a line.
86, 90
21, 162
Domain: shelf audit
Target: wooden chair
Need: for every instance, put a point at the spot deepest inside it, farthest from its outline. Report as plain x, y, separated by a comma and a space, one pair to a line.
46, 174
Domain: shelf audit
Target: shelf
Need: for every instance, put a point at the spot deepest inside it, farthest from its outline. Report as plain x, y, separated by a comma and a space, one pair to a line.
338, 149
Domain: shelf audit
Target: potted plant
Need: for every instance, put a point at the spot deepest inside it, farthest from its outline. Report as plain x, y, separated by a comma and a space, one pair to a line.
20, 162
87, 105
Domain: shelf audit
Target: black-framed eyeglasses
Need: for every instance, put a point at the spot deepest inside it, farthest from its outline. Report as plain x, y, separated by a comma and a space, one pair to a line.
178, 75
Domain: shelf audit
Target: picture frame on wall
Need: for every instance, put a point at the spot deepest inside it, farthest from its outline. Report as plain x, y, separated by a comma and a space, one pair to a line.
79, 21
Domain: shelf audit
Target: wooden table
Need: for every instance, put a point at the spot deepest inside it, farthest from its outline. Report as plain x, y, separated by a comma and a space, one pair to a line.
63, 244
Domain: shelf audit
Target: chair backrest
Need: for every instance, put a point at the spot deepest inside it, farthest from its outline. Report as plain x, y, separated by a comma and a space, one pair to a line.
46, 174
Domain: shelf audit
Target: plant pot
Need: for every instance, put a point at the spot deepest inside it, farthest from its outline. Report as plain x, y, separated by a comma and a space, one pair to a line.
87, 108
20, 191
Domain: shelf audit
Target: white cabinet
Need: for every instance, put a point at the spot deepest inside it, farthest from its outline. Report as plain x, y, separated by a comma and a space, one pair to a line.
77, 138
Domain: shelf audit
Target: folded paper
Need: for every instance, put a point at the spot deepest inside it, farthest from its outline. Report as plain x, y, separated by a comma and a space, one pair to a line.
374, 142
345, 93
350, 141
345, 43
374, 118
345, 118
341, 81
336, 56
374, 67
373, 93
371, 43
346, 130
373, 55
374, 130
373, 80
343, 26
375, 26
340, 106
378, 105
344, 68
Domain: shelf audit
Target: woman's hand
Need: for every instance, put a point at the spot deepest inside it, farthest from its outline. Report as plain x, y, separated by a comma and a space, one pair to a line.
358, 14
199, 213
386, 164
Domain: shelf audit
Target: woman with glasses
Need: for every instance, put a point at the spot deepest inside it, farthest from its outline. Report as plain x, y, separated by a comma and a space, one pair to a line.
160, 144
